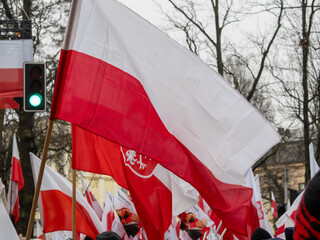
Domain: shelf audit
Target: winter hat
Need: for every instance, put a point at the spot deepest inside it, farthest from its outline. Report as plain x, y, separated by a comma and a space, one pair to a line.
109, 235
308, 214
260, 234
289, 233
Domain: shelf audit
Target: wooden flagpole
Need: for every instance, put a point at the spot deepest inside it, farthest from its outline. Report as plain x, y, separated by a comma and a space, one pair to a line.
74, 189
39, 180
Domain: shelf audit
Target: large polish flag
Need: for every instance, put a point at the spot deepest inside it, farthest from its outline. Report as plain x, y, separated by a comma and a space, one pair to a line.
108, 213
16, 182
13, 53
155, 191
92, 200
7, 230
123, 79
56, 204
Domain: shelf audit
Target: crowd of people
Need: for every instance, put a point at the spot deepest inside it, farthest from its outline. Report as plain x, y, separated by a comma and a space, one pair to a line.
307, 220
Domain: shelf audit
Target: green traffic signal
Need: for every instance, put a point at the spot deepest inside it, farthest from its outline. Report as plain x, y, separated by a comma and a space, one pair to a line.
34, 87
35, 100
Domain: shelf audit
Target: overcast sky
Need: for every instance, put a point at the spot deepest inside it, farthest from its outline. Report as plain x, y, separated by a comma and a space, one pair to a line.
149, 10
145, 8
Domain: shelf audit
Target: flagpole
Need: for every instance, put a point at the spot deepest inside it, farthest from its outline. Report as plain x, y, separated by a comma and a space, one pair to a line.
74, 187
39, 180
10, 188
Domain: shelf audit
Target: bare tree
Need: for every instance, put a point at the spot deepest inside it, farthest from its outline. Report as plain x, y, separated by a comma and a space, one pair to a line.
48, 23
242, 63
297, 70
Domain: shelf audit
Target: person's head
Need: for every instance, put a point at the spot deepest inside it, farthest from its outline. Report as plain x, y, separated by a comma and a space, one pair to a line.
260, 234
190, 217
108, 235
307, 223
119, 213
135, 218
87, 238
123, 212
289, 233
202, 223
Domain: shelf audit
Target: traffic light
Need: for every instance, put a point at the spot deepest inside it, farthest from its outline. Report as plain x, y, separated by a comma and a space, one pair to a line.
34, 87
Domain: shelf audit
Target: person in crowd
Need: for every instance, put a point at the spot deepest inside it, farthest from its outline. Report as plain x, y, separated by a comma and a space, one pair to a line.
108, 235
260, 234
130, 221
288, 231
192, 225
307, 223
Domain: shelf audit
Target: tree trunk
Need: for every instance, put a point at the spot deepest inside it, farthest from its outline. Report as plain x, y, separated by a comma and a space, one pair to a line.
26, 144
304, 42
218, 39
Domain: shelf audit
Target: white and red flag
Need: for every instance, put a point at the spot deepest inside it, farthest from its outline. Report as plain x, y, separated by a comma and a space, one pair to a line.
204, 206
156, 193
12, 56
263, 220
58, 235
314, 167
173, 231
3, 196
108, 213
274, 208
39, 231
16, 182
123, 200
68, 235
55, 203
7, 230
2, 187
123, 79
260, 218
92, 200
287, 219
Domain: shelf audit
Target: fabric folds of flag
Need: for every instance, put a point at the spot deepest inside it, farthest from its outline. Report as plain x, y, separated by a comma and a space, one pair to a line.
39, 231
108, 214
314, 167
287, 219
16, 182
92, 200
12, 56
263, 220
123, 79
3, 195
7, 230
274, 209
55, 204
259, 218
154, 190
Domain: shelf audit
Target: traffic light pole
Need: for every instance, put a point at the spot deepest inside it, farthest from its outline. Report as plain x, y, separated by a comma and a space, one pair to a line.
39, 180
